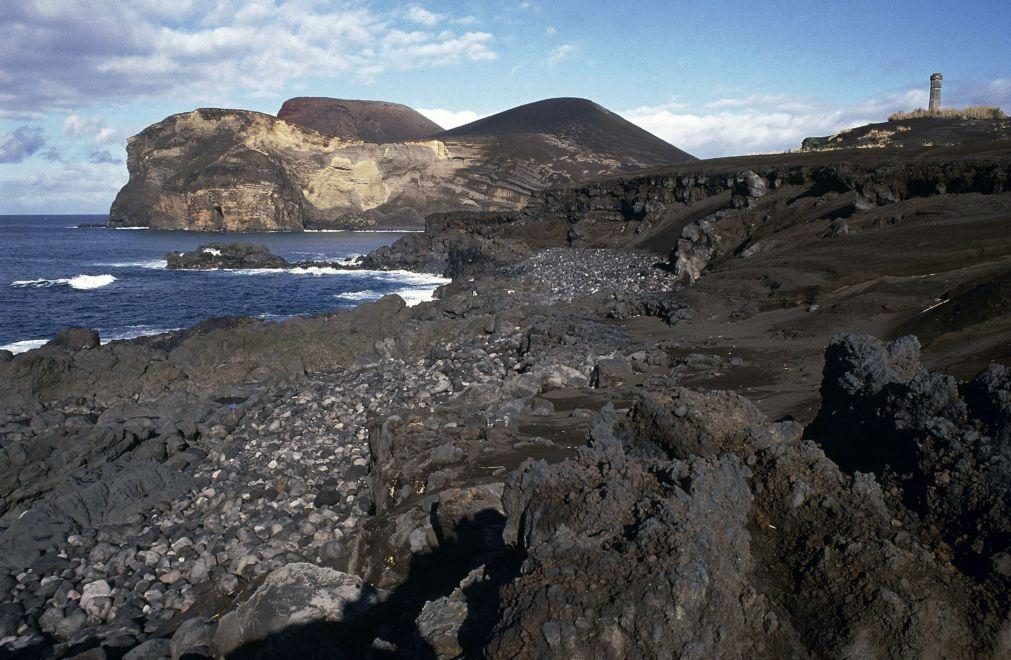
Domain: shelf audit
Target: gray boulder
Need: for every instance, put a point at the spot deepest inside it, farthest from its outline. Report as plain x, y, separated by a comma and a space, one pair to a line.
76, 339
192, 639
295, 595
152, 649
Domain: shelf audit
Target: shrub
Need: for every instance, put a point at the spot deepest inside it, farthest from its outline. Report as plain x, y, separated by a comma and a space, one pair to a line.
973, 112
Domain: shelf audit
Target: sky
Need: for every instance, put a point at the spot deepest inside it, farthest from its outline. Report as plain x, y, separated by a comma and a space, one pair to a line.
715, 78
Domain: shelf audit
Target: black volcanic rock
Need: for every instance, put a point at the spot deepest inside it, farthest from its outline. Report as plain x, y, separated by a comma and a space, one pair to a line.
368, 121
75, 339
225, 255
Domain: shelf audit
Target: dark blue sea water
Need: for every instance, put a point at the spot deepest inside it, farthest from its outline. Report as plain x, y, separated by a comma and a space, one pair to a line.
54, 275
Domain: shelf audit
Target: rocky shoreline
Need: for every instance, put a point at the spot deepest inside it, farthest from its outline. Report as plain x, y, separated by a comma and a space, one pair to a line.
542, 461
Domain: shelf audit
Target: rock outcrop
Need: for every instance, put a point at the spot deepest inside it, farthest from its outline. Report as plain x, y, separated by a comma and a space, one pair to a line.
225, 255
912, 133
237, 170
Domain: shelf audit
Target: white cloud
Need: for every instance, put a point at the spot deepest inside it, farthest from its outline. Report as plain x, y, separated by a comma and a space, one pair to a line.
761, 123
450, 118
75, 188
563, 52
422, 16
81, 128
550, 30
58, 54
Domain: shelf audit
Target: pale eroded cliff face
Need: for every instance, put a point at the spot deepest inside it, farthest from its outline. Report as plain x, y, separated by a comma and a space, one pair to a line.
237, 170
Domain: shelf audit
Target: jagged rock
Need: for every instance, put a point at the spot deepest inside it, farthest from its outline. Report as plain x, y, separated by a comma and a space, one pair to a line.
610, 372
628, 548
225, 255
940, 445
696, 247
293, 596
687, 422
152, 649
748, 186
75, 339
192, 639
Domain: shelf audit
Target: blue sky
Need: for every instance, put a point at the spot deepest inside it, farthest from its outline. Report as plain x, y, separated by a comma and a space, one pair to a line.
77, 77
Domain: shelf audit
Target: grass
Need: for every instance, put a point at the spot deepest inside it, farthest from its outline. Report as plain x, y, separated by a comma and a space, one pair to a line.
973, 112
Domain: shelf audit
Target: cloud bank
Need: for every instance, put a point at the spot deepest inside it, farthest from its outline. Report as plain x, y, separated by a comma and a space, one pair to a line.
66, 54
761, 124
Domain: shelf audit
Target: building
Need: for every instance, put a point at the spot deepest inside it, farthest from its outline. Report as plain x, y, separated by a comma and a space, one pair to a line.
935, 92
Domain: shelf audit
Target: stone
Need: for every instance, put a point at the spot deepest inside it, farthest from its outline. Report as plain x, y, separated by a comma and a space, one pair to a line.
228, 584
439, 624
76, 339
225, 255
611, 372
95, 598
152, 649
192, 639
294, 595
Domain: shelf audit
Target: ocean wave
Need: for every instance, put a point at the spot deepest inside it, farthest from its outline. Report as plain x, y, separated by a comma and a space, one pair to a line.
391, 276
24, 345
130, 332
367, 294
80, 282
135, 331
362, 231
154, 264
413, 296
407, 277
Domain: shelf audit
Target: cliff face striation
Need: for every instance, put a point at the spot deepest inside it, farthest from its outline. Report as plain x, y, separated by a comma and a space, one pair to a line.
329, 164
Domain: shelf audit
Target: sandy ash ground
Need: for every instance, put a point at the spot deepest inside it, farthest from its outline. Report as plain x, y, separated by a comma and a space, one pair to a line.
669, 415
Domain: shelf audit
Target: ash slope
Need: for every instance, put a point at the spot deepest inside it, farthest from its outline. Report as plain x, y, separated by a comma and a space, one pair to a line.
235, 170
545, 461
367, 121
578, 123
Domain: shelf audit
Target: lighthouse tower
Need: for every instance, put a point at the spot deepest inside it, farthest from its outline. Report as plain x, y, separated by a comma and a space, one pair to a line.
935, 92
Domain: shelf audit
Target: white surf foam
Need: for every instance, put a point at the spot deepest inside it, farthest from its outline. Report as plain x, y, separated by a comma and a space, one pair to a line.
24, 345
363, 231
134, 331
367, 294
80, 282
130, 332
413, 296
154, 264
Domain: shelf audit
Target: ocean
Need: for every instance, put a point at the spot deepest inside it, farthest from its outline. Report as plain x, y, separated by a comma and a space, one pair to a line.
54, 275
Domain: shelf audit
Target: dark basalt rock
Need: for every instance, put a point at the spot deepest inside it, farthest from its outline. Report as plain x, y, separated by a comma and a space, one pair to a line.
225, 255
943, 445
75, 339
